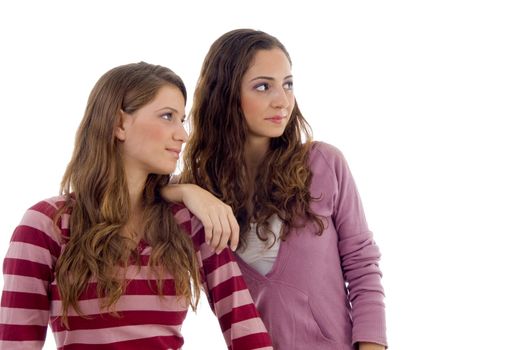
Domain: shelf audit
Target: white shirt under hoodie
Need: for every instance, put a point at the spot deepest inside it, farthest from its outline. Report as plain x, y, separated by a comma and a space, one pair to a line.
260, 255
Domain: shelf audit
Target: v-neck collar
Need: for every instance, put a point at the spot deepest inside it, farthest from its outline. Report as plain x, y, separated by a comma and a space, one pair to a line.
276, 269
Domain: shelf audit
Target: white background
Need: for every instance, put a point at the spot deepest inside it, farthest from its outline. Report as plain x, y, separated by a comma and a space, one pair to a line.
427, 100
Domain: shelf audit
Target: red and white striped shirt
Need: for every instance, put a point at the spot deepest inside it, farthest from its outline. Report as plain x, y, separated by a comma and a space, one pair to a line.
30, 298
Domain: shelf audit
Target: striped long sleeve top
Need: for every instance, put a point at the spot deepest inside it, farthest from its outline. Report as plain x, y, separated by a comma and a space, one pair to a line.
30, 298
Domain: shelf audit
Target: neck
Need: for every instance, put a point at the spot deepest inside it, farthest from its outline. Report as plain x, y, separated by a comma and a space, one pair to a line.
136, 181
255, 150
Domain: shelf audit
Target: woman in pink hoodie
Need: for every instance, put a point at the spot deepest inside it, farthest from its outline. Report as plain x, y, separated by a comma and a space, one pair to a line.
306, 252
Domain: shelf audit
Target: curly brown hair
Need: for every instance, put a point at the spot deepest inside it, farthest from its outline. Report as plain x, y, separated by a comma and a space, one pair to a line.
214, 155
97, 196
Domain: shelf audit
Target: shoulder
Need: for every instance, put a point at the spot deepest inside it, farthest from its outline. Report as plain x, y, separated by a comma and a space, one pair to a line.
48, 207
325, 154
40, 226
44, 211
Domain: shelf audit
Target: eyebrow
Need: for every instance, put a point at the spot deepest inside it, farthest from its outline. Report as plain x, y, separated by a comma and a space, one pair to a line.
269, 78
167, 107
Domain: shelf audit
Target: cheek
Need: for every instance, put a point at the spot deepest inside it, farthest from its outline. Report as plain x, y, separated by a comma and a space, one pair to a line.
157, 133
148, 134
292, 102
252, 108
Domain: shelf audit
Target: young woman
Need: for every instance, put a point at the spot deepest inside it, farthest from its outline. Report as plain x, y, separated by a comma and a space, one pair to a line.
109, 264
306, 253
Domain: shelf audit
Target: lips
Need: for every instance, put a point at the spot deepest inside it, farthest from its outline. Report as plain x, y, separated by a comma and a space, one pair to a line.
275, 119
174, 151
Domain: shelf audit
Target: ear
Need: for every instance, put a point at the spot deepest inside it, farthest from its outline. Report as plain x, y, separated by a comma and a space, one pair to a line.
120, 128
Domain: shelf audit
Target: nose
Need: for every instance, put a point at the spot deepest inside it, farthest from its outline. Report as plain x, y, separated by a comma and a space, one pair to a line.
179, 133
280, 98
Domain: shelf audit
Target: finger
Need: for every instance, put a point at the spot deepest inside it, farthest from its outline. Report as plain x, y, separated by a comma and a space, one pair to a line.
216, 232
234, 227
207, 225
225, 234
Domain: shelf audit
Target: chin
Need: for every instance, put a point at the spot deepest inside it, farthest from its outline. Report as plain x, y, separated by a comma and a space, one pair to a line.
276, 135
169, 171
165, 171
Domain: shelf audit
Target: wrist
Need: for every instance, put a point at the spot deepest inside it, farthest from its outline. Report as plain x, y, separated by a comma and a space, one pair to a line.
174, 192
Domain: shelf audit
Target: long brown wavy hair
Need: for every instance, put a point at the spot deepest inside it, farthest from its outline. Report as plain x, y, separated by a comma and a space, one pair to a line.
97, 196
214, 155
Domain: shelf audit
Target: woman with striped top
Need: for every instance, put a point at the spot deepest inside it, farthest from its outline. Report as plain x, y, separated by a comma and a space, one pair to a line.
109, 264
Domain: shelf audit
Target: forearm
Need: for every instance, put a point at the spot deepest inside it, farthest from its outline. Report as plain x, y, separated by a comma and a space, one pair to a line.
360, 258
232, 303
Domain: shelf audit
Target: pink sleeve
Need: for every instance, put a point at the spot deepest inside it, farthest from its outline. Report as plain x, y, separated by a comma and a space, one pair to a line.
227, 292
359, 256
28, 271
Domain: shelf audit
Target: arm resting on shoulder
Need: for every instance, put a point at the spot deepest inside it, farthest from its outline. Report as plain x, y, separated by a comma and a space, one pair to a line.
218, 220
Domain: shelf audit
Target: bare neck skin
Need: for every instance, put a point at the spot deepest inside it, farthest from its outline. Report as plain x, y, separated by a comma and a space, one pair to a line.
134, 227
255, 150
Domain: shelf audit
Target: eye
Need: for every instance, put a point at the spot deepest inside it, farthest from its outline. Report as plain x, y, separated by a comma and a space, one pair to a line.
262, 87
289, 85
167, 116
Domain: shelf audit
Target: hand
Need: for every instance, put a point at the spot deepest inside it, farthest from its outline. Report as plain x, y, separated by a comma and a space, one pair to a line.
370, 346
218, 220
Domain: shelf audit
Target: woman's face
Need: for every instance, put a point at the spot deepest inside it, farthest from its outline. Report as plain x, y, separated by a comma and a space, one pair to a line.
267, 97
153, 135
